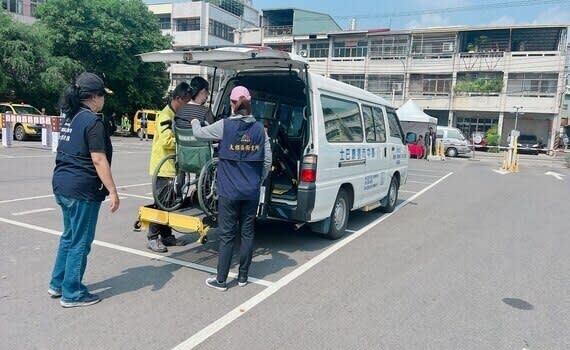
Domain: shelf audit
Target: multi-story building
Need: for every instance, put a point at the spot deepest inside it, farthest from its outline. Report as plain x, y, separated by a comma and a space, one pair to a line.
203, 23
468, 77
22, 10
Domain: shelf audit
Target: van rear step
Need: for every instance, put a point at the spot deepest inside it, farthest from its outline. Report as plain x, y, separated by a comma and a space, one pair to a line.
185, 220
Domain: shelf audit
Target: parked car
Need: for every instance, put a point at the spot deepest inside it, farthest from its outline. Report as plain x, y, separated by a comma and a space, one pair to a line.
23, 131
478, 139
453, 141
528, 144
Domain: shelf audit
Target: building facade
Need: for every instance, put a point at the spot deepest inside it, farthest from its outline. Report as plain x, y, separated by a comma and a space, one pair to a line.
471, 78
203, 23
22, 10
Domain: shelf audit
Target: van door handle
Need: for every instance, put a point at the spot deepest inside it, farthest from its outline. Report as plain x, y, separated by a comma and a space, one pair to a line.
393, 148
385, 152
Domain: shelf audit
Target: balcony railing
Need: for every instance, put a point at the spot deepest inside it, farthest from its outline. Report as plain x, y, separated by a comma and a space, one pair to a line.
275, 31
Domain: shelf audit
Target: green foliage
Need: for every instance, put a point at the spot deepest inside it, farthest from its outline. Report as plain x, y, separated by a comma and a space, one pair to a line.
105, 36
492, 137
479, 86
29, 72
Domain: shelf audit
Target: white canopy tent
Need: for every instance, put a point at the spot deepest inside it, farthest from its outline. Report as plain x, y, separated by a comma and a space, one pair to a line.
414, 120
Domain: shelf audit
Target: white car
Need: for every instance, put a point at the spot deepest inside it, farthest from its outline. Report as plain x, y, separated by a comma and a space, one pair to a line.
453, 141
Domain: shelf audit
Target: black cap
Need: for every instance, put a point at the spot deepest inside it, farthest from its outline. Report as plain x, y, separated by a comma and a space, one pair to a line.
89, 82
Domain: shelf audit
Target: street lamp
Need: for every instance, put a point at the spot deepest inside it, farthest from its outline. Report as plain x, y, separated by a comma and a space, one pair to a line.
517, 108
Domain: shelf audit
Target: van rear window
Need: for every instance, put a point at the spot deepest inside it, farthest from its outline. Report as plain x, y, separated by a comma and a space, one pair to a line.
343, 122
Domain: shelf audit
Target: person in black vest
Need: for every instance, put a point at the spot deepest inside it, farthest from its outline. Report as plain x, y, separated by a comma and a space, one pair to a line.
244, 162
81, 180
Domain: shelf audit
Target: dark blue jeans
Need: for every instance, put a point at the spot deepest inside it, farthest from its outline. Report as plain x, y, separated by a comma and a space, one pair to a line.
79, 221
235, 217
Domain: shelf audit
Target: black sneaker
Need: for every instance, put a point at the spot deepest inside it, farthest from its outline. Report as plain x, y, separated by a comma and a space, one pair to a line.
242, 279
171, 241
156, 246
54, 293
87, 300
213, 283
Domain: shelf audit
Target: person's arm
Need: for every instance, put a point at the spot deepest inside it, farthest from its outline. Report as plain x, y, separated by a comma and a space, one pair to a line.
267, 159
166, 138
104, 172
210, 132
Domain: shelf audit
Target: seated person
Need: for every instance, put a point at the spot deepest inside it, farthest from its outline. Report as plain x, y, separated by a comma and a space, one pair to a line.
195, 109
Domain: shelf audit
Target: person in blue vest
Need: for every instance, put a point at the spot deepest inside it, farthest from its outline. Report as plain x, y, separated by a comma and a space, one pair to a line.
244, 162
82, 179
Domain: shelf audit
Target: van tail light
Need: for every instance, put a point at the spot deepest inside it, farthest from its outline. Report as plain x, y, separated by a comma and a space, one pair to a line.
309, 169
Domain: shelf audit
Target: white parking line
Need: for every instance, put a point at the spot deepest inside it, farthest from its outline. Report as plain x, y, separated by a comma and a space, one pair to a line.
135, 196
419, 182
424, 175
407, 191
34, 211
51, 195
442, 173
138, 252
240, 310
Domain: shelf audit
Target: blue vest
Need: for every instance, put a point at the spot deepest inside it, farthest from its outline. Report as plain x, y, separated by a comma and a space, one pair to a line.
241, 156
75, 175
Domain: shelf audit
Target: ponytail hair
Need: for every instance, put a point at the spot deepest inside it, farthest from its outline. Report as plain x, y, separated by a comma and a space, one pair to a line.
242, 106
197, 84
70, 101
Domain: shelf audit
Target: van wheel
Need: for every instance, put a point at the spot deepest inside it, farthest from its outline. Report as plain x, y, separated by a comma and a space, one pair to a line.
451, 152
339, 216
19, 133
140, 133
392, 196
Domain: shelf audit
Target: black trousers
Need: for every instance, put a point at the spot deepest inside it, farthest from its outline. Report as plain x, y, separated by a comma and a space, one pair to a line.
235, 217
155, 230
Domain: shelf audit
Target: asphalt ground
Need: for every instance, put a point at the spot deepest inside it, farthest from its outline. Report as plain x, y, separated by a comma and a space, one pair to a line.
471, 259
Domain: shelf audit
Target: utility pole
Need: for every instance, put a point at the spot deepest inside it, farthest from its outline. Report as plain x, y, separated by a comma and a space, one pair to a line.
517, 108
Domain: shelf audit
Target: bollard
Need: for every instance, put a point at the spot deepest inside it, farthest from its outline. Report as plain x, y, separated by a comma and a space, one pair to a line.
7, 130
46, 132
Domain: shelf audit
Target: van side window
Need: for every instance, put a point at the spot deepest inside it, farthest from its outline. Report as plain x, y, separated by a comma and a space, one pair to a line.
379, 124
342, 120
395, 129
374, 124
453, 134
439, 134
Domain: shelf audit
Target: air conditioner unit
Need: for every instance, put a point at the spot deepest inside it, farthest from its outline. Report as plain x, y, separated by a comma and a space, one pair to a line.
303, 53
447, 47
397, 86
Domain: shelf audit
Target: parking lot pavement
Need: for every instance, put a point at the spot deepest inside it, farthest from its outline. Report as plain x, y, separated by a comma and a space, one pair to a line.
154, 301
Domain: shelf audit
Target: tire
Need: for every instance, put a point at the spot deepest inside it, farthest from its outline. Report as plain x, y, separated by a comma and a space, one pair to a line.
451, 152
339, 216
169, 196
207, 195
19, 133
392, 196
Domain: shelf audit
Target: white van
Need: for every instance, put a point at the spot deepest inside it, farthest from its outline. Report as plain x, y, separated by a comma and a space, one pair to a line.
453, 141
336, 148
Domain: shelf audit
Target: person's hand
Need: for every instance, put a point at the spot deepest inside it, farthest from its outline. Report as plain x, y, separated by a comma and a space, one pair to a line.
114, 202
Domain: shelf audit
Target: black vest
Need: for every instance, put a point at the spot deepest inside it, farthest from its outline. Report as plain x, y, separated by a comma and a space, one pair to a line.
241, 160
75, 175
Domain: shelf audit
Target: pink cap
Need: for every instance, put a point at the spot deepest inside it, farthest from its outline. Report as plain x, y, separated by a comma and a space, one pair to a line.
240, 91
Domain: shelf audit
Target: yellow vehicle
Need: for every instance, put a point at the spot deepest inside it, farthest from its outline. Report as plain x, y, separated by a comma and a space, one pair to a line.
150, 117
22, 131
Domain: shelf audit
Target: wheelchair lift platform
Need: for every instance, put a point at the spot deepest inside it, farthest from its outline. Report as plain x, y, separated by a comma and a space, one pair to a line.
184, 220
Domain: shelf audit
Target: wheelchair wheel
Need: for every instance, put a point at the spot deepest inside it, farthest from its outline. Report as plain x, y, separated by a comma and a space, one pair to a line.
207, 195
169, 192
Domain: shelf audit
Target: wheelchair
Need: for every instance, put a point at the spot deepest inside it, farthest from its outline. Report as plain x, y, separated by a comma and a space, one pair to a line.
194, 176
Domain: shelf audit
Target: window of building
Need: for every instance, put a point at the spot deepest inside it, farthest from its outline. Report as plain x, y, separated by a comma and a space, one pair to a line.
342, 120
235, 7
433, 45
350, 48
221, 30
386, 85
164, 21
350, 79
316, 50
187, 24
484, 83
395, 128
430, 84
532, 84
34, 4
389, 46
14, 6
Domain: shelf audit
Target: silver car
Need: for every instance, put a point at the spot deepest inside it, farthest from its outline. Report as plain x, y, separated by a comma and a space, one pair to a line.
453, 140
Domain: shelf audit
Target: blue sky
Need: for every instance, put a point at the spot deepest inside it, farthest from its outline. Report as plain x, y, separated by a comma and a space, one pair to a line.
373, 13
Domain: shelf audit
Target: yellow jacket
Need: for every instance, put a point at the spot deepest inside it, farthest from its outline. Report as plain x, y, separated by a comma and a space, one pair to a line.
163, 143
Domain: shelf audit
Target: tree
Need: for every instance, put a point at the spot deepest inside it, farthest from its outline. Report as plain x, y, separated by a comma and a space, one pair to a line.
105, 36
29, 72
